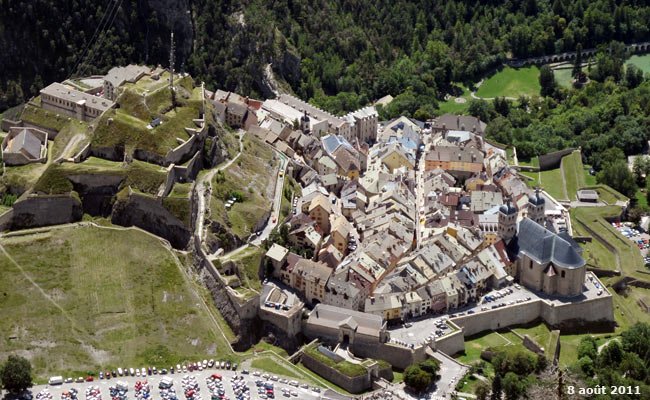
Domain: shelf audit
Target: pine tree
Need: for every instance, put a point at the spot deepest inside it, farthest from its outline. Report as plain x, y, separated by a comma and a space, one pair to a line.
577, 65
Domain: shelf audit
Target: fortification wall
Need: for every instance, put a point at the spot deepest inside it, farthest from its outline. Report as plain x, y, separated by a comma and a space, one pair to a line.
501, 317
356, 384
452, 343
148, 213
565, 316
6, 219
398, 356
181, 152
552, 160
36, 211
289, 322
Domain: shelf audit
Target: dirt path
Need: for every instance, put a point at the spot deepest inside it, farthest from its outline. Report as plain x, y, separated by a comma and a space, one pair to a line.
71, 144
204, 187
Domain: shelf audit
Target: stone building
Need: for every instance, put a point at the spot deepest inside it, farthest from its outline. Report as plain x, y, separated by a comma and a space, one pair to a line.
24, 146
64, 100
536, 208
507, 221
117, 76
363, 124
547, 262
340, 325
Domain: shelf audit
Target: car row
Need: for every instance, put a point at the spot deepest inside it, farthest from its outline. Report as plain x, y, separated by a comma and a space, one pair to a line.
277, 306
142, 372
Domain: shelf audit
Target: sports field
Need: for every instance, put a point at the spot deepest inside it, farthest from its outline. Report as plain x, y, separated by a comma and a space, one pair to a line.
76, 300
511, 82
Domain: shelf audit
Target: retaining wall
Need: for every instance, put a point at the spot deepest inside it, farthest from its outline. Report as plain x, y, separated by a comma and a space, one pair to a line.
35, 211
289, 322
398, 356
5, 219
356, 384
552, 160
451, 344
571, 315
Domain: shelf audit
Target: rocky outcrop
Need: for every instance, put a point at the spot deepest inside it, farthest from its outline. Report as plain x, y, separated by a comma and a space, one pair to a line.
148, 213
287, 65
248, 329
222, 238
214, 150
35, 211
96, 192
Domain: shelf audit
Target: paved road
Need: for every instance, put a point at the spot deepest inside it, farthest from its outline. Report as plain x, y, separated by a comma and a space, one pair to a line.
153, 380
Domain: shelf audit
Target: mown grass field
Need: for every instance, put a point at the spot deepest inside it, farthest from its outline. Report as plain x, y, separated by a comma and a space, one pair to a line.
563, 77
76, 303
574, 174
629, 254
511, 82
643, 62
552, 183
452, 106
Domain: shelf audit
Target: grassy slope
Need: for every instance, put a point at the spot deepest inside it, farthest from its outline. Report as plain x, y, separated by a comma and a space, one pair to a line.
128, 128
142, 176
630, 256
552, 183
250, 171
127, 303
271, 366
574, 173
511, 82
69, 131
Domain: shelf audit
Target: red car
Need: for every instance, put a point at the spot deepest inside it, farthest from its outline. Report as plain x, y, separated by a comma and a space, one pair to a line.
275, 220
90, 379
107, 374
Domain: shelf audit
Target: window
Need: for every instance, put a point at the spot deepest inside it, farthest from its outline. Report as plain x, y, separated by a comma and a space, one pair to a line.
563, 273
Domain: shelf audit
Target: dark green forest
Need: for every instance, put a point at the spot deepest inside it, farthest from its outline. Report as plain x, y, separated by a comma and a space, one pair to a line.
351, 51
343, 54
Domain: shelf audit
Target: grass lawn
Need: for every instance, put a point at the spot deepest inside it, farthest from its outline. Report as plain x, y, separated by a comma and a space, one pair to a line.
533, 162
273, 367
344, 367
590, 179
629, 254
643, 62
451, 106
467, 384
181, 190
552, 183
48, 119
511, 82
574, 175
641, 199
77, 304
475, 344
563, 77
128, 128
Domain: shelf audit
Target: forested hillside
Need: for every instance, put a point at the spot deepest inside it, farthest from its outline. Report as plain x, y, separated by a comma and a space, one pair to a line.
340, 53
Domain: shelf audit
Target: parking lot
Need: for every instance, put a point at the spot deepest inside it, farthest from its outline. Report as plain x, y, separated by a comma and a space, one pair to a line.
640, 239
179, 380
419, 331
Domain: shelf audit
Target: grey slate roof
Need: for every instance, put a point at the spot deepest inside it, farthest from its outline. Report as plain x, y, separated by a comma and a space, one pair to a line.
545, 246
28, 143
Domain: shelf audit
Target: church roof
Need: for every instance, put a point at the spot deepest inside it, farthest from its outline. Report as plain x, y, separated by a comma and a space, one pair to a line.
545, 246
